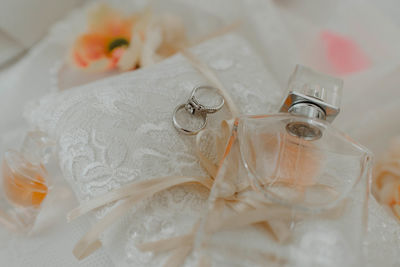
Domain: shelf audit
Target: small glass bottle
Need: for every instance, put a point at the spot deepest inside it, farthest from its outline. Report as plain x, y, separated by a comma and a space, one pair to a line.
24, 182
291, 190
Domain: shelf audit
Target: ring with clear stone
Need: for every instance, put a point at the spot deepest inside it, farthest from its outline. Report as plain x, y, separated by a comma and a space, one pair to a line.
194, 107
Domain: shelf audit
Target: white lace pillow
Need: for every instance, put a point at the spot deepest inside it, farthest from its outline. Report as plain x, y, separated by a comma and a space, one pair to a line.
118, 130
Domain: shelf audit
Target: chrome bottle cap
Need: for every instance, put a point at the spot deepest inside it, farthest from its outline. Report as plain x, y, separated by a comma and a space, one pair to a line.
313, 95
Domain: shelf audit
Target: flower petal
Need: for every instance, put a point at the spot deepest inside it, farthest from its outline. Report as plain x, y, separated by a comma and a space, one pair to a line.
89, 47
110, 22
99, 65
151, 44
130, 57
116, 55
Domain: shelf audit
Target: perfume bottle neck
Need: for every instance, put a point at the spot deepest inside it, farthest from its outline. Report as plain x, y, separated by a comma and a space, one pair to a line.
308, 110
305, 129
313, 96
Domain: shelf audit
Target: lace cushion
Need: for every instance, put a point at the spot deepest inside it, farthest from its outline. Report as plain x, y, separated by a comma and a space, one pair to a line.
119, 130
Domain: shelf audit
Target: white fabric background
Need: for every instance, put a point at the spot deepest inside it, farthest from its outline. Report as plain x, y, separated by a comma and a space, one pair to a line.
279, 30
15, 37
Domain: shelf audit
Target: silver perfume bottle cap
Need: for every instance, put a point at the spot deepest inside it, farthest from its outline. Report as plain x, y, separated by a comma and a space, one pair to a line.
313, 95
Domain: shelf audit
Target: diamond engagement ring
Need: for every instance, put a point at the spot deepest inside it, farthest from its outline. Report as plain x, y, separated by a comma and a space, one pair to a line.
195, 107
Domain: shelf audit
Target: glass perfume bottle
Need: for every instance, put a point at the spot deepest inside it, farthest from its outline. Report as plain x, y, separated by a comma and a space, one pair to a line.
24, 182
291, 190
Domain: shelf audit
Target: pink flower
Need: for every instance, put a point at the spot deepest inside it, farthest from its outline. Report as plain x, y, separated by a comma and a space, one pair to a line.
108, 34
114, 40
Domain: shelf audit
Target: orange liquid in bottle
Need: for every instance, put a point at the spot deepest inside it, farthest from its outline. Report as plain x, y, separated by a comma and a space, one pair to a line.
25, 187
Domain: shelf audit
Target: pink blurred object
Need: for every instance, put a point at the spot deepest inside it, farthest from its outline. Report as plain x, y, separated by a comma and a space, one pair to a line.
343, 54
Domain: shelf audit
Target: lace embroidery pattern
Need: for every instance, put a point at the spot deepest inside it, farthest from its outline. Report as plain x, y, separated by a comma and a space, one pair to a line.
119, 130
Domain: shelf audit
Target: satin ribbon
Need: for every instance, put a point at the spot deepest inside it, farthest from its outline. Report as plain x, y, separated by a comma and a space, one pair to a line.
275, 219
137, 191
130, 194
246, 210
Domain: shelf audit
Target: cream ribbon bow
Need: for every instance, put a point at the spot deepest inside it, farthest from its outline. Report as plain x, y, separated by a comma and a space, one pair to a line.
137, 191
247, 210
